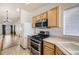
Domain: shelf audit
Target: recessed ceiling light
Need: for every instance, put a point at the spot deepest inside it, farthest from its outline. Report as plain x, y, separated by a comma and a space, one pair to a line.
18, 9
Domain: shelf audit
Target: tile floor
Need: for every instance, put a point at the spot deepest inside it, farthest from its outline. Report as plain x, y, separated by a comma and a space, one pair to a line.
16, 50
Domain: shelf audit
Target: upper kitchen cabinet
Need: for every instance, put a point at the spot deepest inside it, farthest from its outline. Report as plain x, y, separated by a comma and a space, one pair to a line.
38, 17
34, 21
44, 15
54, 17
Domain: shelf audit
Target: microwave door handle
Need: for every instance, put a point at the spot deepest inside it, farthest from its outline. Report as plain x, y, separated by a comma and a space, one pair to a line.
42, 24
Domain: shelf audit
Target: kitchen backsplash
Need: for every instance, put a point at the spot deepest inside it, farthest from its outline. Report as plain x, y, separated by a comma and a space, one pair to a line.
52, 31
58, 32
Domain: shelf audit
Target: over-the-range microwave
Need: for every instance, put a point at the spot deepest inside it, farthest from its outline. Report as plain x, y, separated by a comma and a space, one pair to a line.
42, 23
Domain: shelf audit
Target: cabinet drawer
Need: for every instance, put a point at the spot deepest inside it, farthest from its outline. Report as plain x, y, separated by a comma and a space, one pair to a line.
49, 45
48, 51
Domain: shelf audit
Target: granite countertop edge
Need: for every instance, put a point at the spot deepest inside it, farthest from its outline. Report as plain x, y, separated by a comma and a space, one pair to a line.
57, 41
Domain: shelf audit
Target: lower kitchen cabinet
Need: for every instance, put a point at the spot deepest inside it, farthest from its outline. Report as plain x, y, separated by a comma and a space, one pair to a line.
58, 51
48, 48
51, 49
48, 51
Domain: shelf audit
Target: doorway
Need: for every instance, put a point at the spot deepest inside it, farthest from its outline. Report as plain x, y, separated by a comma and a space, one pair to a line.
3, 30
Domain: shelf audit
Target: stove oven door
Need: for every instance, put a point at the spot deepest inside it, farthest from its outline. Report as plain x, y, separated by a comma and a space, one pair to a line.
35, 52
35, 48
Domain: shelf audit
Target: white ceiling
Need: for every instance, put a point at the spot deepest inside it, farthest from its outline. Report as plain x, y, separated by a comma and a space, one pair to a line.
14, 15
33, 6
12, 10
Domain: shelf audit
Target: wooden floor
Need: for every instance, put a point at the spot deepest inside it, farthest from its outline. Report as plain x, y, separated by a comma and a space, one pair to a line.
16, 50
14, 46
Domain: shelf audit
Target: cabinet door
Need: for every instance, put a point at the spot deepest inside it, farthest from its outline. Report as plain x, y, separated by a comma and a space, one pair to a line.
33, 22
59, 52
48, 44
48, 51
52, 17
38, 17
44, 15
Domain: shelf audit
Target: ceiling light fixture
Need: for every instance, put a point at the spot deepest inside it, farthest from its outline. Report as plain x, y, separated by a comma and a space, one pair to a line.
6, 17
18, 9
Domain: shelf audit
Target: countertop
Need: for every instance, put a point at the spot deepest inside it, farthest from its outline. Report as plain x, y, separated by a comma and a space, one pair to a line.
59, 43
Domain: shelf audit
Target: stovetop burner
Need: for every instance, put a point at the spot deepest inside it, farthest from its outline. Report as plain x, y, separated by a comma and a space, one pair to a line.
39, 37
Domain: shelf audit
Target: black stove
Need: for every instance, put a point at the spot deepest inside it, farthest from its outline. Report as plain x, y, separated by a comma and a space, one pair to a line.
39, 37
37, 42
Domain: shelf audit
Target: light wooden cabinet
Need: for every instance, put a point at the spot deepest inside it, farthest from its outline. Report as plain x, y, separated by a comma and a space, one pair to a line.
51, 49
48, 51
58, 51
54, 17
44, 15
38, 17
48, 48
33, 21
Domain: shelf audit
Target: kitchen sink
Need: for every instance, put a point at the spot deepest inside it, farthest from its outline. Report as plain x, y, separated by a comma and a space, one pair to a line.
72, 48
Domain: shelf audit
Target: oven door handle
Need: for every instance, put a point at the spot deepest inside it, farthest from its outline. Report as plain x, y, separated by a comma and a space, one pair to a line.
36, 43
35, 50
35, 40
